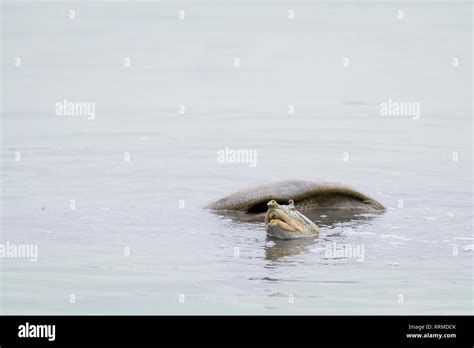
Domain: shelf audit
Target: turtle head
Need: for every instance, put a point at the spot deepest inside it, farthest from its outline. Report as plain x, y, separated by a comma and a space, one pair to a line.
285, 222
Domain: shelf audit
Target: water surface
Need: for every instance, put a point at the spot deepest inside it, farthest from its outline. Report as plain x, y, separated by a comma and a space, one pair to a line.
139, 240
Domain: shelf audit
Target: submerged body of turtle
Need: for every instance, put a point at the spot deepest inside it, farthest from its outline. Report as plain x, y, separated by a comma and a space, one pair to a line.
308, 196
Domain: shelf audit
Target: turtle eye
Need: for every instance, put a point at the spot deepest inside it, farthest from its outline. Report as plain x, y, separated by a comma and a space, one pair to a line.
291, 204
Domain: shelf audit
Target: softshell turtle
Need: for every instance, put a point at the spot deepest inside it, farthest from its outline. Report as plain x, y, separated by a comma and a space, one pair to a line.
308, 196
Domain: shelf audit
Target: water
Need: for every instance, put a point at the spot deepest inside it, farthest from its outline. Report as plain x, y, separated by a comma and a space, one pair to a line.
139, 240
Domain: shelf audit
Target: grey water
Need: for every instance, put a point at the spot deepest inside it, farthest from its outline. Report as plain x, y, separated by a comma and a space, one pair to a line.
113, 195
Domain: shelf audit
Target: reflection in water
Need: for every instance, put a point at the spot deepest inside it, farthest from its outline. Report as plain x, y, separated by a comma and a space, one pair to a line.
276, 248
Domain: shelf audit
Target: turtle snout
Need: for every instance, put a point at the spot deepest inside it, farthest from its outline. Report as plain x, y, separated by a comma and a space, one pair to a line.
272, 204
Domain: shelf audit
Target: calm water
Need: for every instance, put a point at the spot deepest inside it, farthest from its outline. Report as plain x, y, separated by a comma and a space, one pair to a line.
139, 240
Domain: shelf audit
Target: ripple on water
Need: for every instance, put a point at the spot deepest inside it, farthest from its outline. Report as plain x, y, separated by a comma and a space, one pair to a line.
395, 236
